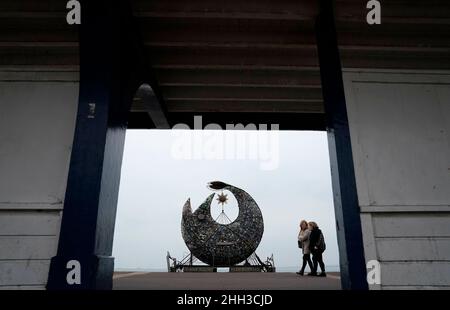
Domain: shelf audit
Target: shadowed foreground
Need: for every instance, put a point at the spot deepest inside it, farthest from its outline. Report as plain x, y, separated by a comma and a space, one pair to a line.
223, 281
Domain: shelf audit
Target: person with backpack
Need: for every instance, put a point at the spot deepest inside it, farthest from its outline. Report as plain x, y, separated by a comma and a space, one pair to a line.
317, 247
303, 243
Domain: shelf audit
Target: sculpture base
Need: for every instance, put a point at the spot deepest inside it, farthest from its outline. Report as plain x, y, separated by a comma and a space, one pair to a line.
247, 269
252, 264
199, 269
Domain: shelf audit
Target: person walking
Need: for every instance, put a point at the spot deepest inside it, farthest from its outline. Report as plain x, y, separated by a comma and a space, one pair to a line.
317, 247
303, 243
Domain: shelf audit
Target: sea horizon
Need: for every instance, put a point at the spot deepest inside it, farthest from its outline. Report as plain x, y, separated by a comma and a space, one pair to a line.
329, 268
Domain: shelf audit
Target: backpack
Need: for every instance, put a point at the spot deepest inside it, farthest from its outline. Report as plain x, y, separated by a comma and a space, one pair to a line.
321, 246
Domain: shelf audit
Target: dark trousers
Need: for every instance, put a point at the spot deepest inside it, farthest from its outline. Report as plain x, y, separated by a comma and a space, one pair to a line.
317, 260
307, 260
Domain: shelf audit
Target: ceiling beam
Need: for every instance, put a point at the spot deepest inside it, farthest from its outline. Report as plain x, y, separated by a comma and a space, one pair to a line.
307, 8
263, 16
238, 85
230, 45
238, 77
236, 67
232, 56
242, 106
228, 93
343, 47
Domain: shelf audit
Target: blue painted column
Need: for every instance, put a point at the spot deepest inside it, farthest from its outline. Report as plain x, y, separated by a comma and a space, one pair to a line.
348, 221
108, 78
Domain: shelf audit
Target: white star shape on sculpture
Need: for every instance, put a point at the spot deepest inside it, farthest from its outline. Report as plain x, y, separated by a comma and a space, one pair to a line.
222, 199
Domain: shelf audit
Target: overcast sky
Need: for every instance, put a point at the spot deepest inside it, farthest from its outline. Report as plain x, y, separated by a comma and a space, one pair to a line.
287, 173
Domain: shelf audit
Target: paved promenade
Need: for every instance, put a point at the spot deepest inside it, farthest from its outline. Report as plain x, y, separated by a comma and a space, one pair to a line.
223, 281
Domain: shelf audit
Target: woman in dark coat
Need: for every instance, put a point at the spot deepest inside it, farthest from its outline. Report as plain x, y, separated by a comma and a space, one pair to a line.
317, 247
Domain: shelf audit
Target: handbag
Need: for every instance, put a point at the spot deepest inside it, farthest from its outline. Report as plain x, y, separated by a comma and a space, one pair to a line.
299, 244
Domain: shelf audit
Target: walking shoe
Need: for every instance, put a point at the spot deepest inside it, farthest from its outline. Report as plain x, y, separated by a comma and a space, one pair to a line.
300, 272
322, 274
313, 274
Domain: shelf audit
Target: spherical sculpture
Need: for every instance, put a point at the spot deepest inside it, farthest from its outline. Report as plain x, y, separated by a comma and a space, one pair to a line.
218, 244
